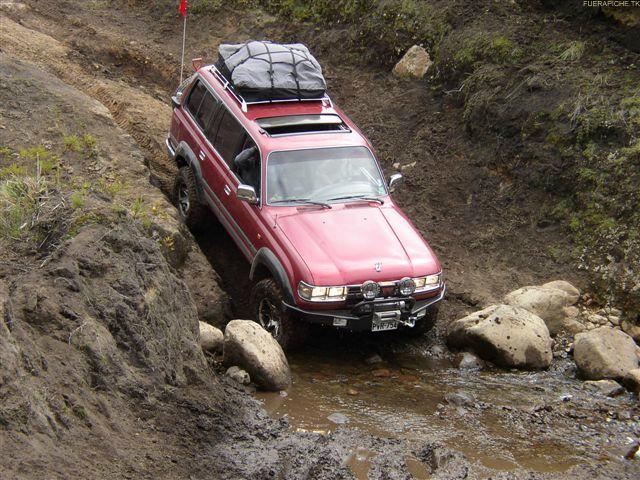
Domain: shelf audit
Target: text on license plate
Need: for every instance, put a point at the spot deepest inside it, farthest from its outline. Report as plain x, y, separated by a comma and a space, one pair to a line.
385, 321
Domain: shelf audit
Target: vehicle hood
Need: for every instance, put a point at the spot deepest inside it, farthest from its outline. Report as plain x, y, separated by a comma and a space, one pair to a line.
342, 245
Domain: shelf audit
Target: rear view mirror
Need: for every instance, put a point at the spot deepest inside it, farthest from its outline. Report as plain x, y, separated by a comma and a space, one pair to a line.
247, 193
175, 100
395, 181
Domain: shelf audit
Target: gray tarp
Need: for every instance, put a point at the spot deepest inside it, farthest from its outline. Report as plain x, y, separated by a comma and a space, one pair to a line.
265, 70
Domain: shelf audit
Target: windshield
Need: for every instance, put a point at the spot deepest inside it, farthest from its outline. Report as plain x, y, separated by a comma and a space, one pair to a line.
323, 175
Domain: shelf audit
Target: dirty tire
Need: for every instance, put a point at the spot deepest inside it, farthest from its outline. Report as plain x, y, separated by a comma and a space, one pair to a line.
266, 306
425, 324
185, 198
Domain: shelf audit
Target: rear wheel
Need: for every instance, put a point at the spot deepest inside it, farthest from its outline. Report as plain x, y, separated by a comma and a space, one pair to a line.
266, 304
185, 194
424, 324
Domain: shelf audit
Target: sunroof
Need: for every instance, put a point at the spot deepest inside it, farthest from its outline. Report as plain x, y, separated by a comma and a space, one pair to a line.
292, 124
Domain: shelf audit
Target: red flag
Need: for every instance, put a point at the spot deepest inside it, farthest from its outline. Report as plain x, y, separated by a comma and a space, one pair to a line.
183, 8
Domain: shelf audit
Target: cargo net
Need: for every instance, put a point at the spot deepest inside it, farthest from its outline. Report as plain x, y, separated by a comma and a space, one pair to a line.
261, 70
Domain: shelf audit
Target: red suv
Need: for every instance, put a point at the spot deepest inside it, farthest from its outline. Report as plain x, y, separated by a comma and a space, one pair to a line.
298, 187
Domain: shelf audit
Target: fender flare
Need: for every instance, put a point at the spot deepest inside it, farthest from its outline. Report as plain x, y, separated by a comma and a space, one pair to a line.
266, 258
183, 150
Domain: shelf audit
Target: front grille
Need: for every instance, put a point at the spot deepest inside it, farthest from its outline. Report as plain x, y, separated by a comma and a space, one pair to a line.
387, 289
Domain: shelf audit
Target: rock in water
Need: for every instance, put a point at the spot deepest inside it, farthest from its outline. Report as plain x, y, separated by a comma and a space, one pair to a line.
468, 361
604, 353
415, 63
548, 302
505, 335
239, 375
211, 338
608, 388
251, 347
338, 418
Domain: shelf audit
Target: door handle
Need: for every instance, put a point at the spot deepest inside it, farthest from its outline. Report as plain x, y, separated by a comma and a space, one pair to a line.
227, 190
202, 155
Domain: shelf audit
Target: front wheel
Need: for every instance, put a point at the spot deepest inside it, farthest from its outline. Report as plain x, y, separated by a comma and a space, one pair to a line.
266, 304
185, 191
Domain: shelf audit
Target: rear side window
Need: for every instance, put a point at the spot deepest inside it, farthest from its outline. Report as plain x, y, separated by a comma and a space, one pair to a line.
230, 138
195, 98
208, 106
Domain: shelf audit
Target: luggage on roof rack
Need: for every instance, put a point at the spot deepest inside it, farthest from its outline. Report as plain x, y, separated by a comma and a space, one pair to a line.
265, 71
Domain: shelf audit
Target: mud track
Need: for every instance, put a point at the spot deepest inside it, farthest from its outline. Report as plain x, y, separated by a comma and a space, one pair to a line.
125, 57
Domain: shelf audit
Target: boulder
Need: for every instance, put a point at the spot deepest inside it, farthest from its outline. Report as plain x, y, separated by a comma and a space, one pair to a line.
631, 329
251, 347
549, 302
505, 335
604, 353
468, 361
608, 388
211, 338
415, 63
632, 380
238, 375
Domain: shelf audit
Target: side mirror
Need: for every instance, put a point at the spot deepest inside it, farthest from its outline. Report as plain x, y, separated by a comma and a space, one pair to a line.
247, 193
175, 100
395, 181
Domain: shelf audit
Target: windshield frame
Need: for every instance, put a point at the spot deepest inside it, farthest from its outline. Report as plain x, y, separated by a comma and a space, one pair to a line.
283, 150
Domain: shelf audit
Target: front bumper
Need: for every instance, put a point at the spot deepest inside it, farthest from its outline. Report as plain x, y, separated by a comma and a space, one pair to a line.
346, 319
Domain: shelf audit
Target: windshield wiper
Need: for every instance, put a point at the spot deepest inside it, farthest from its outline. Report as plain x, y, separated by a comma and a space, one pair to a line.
359, 197
302, 200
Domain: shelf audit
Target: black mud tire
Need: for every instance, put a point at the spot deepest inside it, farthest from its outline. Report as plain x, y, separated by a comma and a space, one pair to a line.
185, 197
266, 307
424, 324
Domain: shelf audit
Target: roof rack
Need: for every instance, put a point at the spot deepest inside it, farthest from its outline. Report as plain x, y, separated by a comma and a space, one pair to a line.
226, 84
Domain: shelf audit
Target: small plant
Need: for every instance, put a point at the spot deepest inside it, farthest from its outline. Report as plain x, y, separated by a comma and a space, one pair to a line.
13, 170
77, 200
90, 142
138, 207
5, 152
572, 51
72, 143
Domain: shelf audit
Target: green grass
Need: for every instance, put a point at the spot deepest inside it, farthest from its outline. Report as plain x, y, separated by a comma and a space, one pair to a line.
72, 143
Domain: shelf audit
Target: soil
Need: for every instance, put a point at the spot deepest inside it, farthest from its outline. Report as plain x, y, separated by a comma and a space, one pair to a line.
101, 373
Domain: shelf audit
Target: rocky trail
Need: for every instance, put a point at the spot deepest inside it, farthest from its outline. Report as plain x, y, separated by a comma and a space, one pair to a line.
101, 371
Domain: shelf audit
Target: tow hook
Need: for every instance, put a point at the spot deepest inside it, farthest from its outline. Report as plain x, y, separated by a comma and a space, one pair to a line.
409, 322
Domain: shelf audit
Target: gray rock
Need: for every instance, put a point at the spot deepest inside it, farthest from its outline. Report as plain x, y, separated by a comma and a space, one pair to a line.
604, 353
608, 388
631, 329
211, 338
460, 399
468, 361
239, 375
415, 63
505, 335
632, 380
373, 359
338, 418
251, 347
548, 302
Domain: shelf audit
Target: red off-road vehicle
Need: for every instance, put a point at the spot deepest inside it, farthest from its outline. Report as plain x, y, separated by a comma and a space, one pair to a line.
298, 187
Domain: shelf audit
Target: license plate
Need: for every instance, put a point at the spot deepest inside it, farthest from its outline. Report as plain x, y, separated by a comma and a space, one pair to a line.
385, 321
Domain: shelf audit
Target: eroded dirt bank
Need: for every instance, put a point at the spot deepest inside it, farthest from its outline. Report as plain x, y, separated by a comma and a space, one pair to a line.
104, 392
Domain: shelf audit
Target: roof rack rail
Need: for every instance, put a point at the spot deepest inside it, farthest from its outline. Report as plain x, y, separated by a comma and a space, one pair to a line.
244, 105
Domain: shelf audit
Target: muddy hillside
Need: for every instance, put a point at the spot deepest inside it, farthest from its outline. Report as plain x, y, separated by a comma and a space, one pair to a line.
516, 126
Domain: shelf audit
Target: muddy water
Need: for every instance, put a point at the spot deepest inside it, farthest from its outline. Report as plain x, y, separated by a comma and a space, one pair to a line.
515, 420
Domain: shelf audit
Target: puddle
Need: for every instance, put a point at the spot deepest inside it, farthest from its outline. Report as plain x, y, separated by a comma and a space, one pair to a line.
506, 427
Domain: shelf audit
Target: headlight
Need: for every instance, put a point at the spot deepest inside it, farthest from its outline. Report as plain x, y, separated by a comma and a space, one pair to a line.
321, 294
427, 283
406, 286
370, 290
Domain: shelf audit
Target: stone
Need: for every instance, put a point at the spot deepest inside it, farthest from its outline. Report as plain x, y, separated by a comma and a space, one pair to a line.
211, 338
460, 399
338, 418
632, 380
415, 63
604, 353
381, 373
631, 329
373, 359
505, 335
238, 375
549, 302
614, 320
608, 388
251, 347
468, 361
566, 287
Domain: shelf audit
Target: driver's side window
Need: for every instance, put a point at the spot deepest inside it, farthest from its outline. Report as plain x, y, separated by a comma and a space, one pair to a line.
247, 165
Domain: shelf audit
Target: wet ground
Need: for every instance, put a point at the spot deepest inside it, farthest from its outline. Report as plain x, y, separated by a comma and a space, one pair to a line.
505, 421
